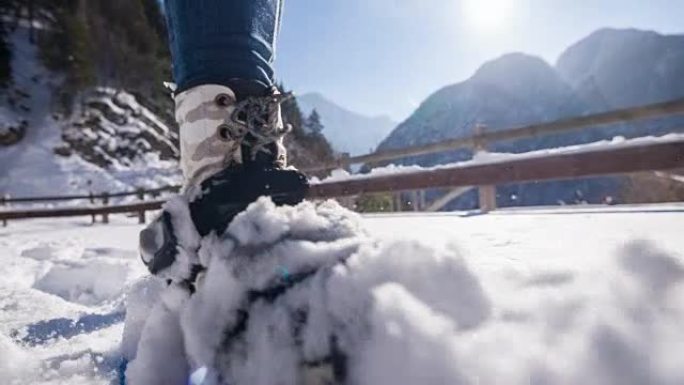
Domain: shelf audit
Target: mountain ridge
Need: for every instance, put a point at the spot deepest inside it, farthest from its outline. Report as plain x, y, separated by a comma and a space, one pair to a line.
346, 130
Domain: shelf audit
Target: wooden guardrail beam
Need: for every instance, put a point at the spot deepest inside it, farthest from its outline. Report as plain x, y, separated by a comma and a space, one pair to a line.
30, 213
550, 128
91, 196
596, 162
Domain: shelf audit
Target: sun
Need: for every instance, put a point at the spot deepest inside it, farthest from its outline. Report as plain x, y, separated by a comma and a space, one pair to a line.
488, 15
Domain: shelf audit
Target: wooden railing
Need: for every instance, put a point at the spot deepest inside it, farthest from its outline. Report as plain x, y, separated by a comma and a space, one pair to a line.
661, 156
593, 161
100, 204
485, 138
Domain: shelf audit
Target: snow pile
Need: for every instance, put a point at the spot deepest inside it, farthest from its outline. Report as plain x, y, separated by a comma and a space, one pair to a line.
307, 288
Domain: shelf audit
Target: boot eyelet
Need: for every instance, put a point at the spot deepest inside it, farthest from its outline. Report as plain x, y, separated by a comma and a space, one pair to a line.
223, 100
230, 133
224, 132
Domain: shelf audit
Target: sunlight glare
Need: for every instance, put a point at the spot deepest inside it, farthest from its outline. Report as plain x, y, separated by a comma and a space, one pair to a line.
488, 15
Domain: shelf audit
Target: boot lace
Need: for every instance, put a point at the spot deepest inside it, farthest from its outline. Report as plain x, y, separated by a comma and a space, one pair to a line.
258, 122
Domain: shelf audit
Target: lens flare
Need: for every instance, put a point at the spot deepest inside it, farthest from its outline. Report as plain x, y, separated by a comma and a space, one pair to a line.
198, 376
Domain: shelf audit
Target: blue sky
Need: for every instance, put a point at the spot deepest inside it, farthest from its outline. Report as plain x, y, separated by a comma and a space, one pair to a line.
386, 56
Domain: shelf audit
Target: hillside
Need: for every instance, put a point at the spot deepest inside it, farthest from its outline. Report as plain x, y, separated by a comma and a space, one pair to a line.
347, 131
108, 142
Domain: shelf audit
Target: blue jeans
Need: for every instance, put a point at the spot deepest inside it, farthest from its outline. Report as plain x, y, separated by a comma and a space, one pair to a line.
218, 41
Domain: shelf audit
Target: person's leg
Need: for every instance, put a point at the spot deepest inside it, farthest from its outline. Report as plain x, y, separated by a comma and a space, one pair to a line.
223, 53
225, 42
231, 130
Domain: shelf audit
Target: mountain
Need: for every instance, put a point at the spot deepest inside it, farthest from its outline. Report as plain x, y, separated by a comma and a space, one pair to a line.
620, 68
347, 131
606, 70
515, 89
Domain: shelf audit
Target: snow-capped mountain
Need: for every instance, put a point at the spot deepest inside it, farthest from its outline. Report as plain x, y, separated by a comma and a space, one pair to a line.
518, 89
347, 131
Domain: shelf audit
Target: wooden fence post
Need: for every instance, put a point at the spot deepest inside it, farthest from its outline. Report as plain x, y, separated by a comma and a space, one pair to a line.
398, 202
92, 202
422, 201
141, 213
343, 162
487, 194
415, 200
105, 202
3, 203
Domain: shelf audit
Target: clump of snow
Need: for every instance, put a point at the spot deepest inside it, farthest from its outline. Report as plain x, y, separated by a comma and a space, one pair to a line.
140, 300
160, 355
313, 269
15, 363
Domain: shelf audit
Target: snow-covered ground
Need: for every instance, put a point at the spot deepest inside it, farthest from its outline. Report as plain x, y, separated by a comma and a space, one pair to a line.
527, 296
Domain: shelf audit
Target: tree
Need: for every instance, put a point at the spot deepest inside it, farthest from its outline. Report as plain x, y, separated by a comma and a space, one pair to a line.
5, 56
8, 14
313, 123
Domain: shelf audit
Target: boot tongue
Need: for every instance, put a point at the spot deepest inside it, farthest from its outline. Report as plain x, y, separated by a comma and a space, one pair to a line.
262, 159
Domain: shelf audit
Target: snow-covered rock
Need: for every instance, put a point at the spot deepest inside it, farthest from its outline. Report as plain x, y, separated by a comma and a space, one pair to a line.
111, 129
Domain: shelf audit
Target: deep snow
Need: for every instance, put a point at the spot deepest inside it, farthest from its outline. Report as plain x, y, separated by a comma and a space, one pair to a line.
555, 296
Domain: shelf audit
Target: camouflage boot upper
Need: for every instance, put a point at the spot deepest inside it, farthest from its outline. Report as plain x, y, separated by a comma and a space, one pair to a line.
217, 131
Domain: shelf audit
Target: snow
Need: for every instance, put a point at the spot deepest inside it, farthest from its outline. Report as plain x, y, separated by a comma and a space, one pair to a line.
483, 158
62, 299
544, 296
